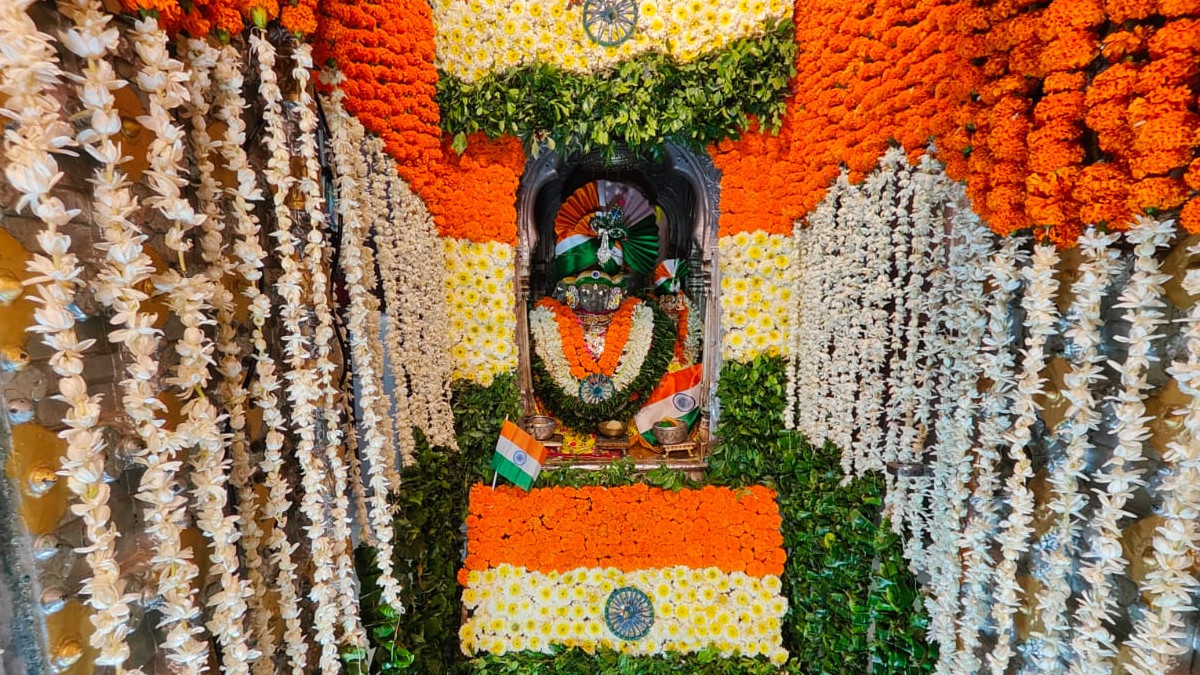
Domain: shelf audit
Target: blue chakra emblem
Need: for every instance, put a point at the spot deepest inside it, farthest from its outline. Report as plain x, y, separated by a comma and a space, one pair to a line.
596, 388
629, 613
519, 458
684, 403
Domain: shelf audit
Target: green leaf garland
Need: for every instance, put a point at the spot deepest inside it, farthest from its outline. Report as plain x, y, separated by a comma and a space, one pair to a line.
622, 405
642, 103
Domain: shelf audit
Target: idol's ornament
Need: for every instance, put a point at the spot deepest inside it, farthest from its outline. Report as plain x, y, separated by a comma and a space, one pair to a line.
599, 349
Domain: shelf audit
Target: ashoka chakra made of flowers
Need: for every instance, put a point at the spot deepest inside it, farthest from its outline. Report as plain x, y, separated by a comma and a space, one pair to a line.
596, 388
608, 23
629, 613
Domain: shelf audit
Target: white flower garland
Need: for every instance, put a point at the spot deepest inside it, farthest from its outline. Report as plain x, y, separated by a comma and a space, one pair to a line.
1094, 642
89, 37
397, 314
1040, 317
880, 188
1158, 636
161, 78
333, 588
997, 364
1095, 274
267, 382
229, 603
425, 318
549, 345
351, 176
968, 243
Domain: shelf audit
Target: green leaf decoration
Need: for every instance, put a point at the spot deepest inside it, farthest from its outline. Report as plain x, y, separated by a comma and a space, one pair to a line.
641, 103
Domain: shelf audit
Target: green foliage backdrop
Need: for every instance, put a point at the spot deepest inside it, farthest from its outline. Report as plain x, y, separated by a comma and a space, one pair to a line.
832, 533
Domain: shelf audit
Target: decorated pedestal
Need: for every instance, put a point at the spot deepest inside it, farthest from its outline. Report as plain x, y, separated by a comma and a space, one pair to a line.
635, 569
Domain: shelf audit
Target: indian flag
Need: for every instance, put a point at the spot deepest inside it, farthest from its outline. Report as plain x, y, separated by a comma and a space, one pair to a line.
633, 569
518, 456
676, 396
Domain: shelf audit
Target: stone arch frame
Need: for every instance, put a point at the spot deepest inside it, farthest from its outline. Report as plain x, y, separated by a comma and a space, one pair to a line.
697, 170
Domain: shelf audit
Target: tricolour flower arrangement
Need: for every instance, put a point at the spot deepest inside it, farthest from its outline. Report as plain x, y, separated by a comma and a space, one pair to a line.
481, 37
635, 569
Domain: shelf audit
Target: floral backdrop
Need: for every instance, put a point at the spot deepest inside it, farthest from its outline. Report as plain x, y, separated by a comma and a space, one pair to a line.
953, 240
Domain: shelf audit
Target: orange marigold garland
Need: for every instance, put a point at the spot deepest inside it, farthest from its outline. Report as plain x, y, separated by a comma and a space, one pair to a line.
889, 72
558, 529
384, 50
580, 359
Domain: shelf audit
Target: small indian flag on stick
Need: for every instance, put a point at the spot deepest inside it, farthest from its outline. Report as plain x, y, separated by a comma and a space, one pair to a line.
518, 456
677, 396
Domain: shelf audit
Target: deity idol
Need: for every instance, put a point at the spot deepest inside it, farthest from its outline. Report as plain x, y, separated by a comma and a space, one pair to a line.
601, 348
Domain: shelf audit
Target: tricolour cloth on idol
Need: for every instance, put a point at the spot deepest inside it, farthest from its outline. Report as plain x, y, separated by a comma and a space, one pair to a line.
605, 224
676, 396
669, 275
519, 456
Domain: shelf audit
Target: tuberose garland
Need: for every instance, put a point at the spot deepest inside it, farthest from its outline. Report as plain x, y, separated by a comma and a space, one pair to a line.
1040, 317
1141, 299
333, 590
1086, 375
350, 177
161, 77
1157, 637
998, 366
267, 382
89, 37
228, 603
242, 262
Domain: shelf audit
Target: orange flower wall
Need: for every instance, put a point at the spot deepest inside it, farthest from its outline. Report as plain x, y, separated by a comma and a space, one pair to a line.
385, 51
1060, 114
867, 73
629, 528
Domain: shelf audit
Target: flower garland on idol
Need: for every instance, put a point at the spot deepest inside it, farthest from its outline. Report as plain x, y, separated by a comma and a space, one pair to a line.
242, 262
1040, 317
333, 587
1141, 299
264, 387
88, 37
1100, 262
1157, 637
161, 77
639, 345
348, 136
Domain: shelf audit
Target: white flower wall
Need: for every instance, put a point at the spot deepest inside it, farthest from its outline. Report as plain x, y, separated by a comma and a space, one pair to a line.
1024, 406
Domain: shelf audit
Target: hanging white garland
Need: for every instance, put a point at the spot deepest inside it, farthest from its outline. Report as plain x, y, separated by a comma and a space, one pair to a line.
1040, 317
161, 77
229, 601
333, 589
1100, 262
1158, 637
242, 261
391, 273
967, 243
1142, 301
998, 366
351, 178
267, 382
89, 37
